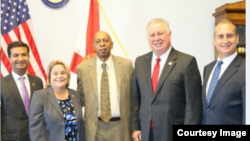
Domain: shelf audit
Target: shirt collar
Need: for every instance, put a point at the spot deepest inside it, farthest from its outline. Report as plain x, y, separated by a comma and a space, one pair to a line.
16, 76
164, 56
228, 59
109, 62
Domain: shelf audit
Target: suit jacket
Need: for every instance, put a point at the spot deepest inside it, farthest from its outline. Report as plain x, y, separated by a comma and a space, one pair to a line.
227, 104
14, 120
87, 86
46, 121
177, 99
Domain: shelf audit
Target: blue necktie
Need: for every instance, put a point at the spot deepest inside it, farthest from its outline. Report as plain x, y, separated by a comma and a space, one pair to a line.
214, 81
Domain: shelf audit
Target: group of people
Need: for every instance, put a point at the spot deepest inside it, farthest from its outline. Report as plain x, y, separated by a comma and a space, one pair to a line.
123, 102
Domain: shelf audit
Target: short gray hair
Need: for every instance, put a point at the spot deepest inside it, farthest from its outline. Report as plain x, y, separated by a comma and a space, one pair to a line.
159, 20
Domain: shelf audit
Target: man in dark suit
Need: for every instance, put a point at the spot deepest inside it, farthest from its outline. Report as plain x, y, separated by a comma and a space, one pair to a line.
225, 102
171, 98
14, 113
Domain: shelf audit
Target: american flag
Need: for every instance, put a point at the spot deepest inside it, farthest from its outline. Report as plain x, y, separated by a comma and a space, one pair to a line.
16, 25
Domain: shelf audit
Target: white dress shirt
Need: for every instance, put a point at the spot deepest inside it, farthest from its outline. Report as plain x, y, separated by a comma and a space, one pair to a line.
18, 82
226, 62
162, 62
114, 95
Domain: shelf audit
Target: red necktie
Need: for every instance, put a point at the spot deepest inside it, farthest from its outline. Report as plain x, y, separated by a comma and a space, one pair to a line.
155, 80
156, 74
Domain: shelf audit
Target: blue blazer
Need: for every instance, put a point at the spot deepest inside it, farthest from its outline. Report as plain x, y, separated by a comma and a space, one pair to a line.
227, 104
46, 121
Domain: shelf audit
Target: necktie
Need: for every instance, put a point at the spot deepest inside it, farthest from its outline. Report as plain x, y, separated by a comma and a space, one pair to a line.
155, 80
156, 74
214, 81
105, 100
25, 95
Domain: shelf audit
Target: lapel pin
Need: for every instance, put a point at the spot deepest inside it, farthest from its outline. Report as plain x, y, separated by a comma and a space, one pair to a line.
33, 84
169, 63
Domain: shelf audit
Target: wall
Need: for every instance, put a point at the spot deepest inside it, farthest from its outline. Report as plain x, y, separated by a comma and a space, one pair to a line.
191, 22
57, 30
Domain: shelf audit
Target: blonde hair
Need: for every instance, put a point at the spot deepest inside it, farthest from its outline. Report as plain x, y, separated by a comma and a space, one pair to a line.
51, 65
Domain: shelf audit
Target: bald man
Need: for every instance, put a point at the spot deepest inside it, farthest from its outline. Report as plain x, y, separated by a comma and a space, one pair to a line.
115, 125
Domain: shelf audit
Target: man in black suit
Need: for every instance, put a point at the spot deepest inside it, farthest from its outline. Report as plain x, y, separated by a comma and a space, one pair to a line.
171, 98
14, 113
225, 103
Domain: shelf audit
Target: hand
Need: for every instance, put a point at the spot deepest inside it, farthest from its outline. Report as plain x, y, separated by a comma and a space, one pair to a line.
136, 135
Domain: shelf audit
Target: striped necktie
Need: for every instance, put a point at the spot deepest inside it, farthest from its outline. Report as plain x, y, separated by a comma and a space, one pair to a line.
214, 81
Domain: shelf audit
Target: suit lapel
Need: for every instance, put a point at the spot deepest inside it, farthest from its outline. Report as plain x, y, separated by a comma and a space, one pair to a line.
92, 72
118, 70
74, 101
53, 100
169, 65
207, 73
32, 85
147, 71
12, 87
231, 69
